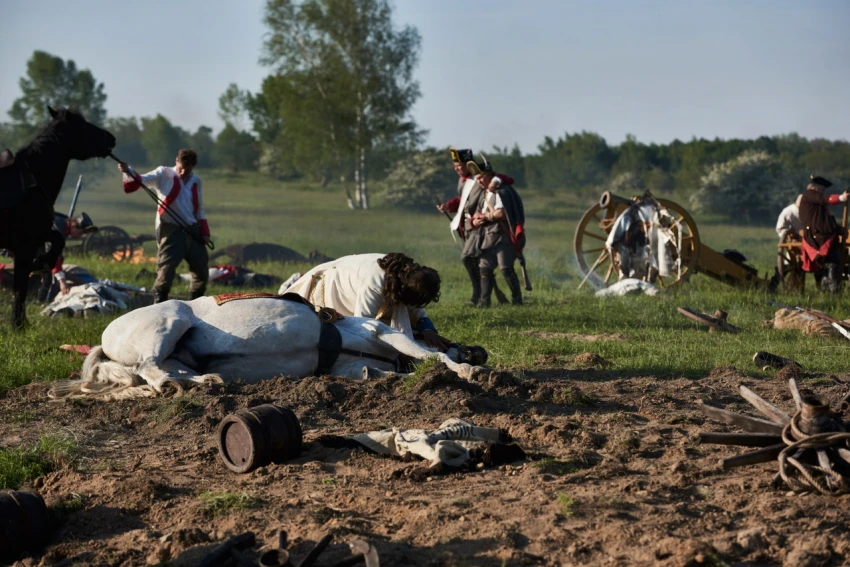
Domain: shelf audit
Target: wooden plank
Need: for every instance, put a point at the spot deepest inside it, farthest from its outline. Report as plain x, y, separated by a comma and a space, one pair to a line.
743, 439
754, 457
773, 413
743, 421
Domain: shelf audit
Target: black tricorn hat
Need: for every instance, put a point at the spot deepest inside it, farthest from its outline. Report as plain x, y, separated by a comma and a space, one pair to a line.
479, 168
818, 180
462, 156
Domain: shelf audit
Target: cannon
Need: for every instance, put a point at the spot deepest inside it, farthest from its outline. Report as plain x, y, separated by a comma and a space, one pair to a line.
662, 225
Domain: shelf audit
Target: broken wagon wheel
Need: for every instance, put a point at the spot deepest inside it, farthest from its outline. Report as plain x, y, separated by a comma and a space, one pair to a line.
717, 321
789, 264
811, 445
109, 242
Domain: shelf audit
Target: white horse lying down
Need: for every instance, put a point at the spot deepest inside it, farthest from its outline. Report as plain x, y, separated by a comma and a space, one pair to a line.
176, 343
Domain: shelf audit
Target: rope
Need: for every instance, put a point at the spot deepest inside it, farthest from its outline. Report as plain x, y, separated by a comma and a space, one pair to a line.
803, 477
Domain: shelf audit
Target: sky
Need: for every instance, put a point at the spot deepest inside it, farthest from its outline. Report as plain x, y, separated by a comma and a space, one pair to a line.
492, 72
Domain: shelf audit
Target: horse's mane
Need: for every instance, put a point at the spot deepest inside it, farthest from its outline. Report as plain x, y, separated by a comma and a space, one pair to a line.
47, 136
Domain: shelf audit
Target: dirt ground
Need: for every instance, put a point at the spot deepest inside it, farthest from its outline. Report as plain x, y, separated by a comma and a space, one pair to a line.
615, 475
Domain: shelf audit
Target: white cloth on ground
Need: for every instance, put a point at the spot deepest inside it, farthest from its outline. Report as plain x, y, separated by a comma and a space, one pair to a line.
352, 285
97, 297
449, 444
626, 286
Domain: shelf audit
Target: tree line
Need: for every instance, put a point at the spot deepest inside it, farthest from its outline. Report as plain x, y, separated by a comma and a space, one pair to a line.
335, 108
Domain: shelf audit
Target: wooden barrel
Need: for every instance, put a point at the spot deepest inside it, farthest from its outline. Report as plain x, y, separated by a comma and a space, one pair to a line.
24, 524
254, 437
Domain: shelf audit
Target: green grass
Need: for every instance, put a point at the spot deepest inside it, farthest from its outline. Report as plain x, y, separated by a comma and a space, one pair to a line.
660, 342
567, 504
222, 503
551, 465
20, 465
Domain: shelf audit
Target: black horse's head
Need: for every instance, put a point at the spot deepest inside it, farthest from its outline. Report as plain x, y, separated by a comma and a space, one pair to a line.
84, 140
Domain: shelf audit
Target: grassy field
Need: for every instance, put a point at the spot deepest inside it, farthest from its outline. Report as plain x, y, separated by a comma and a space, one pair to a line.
657, 341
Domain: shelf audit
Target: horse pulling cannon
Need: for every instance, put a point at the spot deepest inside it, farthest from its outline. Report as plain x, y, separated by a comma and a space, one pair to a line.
653, 240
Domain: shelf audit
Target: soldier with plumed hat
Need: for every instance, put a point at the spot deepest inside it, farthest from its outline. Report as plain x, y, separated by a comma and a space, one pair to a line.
820, 248
501, 222
464, 206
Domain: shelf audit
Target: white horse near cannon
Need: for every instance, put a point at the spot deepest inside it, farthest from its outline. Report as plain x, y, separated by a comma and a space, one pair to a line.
175, 344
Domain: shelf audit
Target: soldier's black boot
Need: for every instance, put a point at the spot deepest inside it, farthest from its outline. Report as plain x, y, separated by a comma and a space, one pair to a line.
471, 265
160, 295
513, 284
831, 278
486, 290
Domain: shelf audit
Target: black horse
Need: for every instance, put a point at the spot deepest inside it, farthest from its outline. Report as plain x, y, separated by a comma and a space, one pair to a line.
30, 182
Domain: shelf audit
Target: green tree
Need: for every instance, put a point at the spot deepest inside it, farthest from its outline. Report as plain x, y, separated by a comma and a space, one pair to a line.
353, 72
161, 140
203, 143
128, 136
414, 182
754, 186
233, 107
52, 81
235, 150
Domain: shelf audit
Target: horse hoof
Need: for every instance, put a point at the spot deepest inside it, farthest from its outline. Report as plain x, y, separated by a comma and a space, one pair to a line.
171, 389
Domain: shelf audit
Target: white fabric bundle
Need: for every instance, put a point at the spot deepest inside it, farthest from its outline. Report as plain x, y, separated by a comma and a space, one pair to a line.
449, 444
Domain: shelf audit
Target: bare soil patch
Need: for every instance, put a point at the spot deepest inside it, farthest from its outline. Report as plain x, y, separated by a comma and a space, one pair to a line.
615, 475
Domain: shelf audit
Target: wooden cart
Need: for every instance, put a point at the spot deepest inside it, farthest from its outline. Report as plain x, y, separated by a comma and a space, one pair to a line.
789, 259
597, 263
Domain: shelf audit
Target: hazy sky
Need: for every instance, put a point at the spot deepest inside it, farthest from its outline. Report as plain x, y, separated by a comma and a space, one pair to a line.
491, 71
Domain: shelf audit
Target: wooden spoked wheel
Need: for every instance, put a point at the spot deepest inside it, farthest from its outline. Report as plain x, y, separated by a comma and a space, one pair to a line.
109, 242
789, 264
595, 225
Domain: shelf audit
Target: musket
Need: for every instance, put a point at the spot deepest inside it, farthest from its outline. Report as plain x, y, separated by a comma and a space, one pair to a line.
438, 202
525, 278
76, 194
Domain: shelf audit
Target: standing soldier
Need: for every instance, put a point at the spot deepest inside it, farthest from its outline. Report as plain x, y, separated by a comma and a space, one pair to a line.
180, 192
465, 205
820, 234
501, 217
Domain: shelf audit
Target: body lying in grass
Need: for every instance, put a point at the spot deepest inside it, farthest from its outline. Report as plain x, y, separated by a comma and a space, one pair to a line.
177, 343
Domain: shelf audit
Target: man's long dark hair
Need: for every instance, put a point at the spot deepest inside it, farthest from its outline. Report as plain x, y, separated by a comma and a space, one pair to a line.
408, 283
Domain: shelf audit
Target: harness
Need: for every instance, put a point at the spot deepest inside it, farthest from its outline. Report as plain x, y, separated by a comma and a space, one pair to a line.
330, 339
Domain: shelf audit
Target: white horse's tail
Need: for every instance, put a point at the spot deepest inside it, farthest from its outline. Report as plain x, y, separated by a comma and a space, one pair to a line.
103, 379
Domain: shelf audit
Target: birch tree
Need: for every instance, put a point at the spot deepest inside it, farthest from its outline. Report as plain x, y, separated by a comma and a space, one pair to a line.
356, 69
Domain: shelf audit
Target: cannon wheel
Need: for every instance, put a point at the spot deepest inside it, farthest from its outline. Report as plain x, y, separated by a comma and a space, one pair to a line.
593, 229
109, 242
789, 265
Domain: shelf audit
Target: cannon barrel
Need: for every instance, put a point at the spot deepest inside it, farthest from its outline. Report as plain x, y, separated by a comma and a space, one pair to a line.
609, 198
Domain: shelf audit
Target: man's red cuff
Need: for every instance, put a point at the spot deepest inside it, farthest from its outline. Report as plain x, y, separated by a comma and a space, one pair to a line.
452, 205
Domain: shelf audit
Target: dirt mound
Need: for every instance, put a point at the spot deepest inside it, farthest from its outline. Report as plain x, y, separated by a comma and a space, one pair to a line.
590, 360
613, 469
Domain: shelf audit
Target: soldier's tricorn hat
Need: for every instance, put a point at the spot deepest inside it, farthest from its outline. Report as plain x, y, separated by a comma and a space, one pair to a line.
818, 180
461, 156
479, 168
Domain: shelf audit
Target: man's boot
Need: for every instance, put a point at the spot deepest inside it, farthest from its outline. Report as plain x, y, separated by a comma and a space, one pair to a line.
513, 284
831, 278
160, 295
486, 290
471, 265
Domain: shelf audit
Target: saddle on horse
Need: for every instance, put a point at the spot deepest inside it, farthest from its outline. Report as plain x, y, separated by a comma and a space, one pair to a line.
15, 180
